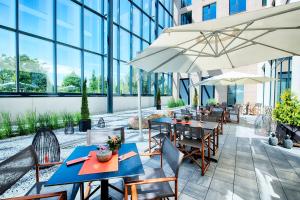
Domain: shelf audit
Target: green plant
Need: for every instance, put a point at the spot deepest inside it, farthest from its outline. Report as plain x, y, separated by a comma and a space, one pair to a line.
195, 99
158, 100
6, 130
287, 111
44, 120
67, 118
76, 118
54, 121
172, 103
21, 125
85, 113
114, 142
212, 102
31, 121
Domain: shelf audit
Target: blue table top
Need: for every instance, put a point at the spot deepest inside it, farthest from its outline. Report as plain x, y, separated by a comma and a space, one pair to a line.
69, 174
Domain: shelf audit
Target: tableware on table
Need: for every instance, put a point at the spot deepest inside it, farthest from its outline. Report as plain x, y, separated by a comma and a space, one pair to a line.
104, 154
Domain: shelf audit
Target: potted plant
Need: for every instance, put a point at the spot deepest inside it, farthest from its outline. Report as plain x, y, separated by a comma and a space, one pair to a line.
286, 113
114, 143
85, 122
158, 100
195, 99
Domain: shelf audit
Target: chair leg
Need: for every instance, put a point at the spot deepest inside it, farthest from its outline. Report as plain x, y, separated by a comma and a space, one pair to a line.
149, 133
126, 192
176, 189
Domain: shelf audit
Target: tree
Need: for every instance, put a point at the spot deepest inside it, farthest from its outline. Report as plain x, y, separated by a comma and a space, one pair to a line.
72, 80
195, 99
94, 83
85, 113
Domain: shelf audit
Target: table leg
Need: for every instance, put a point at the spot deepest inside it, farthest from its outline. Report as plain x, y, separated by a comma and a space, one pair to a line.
104, 190
81, 191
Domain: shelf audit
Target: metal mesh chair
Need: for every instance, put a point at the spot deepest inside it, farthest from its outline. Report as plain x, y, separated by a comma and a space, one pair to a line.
154, 184
101, 123
69, 129
46, 146
15, 167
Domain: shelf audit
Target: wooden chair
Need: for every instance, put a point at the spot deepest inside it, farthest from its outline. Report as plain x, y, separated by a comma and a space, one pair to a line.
198, 142
235, 111
214, 133
15, 167
97, 137
154, 184
162, 130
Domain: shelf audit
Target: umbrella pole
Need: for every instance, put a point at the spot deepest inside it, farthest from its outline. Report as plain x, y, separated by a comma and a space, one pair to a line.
141, 136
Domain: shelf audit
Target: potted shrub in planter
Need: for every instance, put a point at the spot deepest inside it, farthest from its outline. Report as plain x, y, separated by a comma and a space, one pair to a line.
287, 115
85, 122
195, 99
158, 100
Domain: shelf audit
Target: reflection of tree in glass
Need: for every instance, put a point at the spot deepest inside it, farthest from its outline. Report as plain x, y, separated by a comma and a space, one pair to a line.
124, 84
94, 83
32, 77
71, 83
7, 73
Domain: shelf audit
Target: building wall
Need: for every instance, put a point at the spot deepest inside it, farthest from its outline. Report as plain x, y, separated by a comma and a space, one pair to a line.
97, 105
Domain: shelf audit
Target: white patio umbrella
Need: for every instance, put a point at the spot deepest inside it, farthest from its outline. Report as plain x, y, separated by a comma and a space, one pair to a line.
234, 78
229, 42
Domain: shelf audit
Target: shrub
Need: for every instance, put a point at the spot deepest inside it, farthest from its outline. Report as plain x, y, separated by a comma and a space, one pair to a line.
67, 118
21, 125
54, 121
172, 103
212, 102
287, 111
195, 99
6, 130
85, 113
31, 121
76, 118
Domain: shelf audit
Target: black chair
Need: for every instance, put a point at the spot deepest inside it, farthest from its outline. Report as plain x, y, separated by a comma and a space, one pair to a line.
154, 184
195, 143
214, 133
46, 146
15, 167
161, 130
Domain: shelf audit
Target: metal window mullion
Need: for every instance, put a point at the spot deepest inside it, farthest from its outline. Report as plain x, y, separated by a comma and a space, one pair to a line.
289, 73
82, 45
55, 47
131, 48
280, 84
110, 57
17, 47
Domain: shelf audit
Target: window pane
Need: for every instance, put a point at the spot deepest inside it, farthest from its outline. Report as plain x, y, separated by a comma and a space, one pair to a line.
7, 13
160, 15
116, 10
92, 33
124, 78
92, 72
68, 22
36, 65
209, 12
115, 42
105, 37
138, 2
145, 85
236, 6
136, 21
147, 6
185, 3
186, 18
94, 4
125, 14
136, 46
124, 45
36, 16
115, 77
7, 61
146, 27
134, 80
152, 31
68, 69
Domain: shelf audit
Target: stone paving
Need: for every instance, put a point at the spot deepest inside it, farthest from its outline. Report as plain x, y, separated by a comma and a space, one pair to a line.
247, 168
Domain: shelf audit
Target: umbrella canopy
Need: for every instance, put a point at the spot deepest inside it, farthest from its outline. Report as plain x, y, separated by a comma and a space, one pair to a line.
229, 42
235, 78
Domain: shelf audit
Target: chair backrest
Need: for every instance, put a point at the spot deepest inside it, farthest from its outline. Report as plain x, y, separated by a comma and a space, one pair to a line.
46, 146
194, 133
172, 155
210, 118
158, 126
13, 168
100, 136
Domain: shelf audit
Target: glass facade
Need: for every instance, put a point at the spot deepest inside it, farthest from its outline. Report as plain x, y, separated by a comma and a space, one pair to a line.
237, 6
209, 12
186, 18
264, 2
235, 94
49, 47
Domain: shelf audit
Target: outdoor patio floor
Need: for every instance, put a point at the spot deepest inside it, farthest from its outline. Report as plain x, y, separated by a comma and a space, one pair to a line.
247, 168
